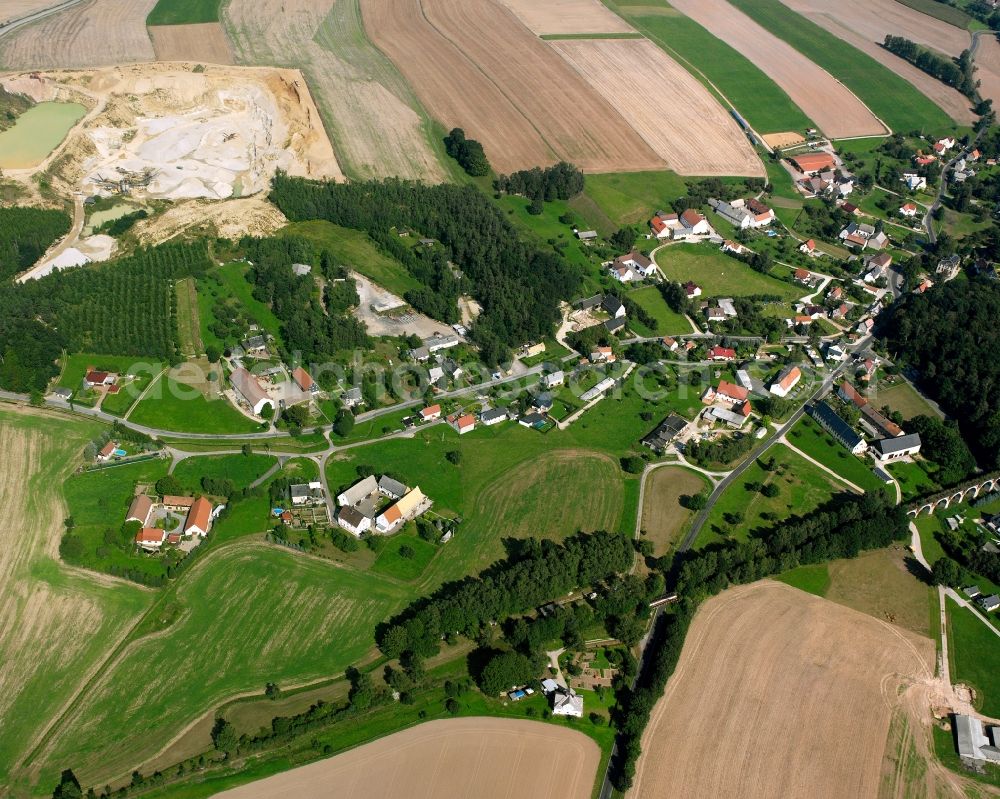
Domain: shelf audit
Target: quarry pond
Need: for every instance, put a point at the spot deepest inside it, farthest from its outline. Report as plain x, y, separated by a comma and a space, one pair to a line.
37, 132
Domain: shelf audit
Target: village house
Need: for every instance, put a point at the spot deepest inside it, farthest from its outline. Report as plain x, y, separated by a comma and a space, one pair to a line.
249, 390
531, 350
94, 379
743, 378
430, 413
908, 210
809, 248
586, 236
391, 488
352, 398
813, 163
613, 306
363, 491
634, 266
718, 353
913, 181
177, 504
664, 224
803, 276
694, 223
150, 538
353, 520
139, 510
948, 268
731, 393
714, 313
565, 702
408, 507
974, 747
837, 427
733, 247
602, 355
199, 518
553, 379
665, 433
492, 416
735, 418
743, 214
439, 342
887, 450
304, 380
670, 343
464, 423
840, 312
306, 493
106, 452
692, 290
786, 381
255, 345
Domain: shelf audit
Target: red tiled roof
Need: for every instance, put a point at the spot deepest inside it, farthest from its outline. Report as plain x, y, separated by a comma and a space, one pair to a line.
789, 379
691, 217
657, 224
466, 421
149, 535
722, 352
733, 391
303, 378
430, 410
96, 377
107, 449
179, 502
199, 515
813, 162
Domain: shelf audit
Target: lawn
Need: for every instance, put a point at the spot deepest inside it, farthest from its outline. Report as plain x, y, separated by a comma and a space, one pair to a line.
628, 198
354, 249
718, 274
548, 230
393, 560
172, 406
904, 398
813, 578
898, 103
241, 469
303, 443
59, 622
912, 479
663, 518
251, 613
188, 320
975, 657
668, 321
183, 12
809, 437
75, 366
119, 404
229, 282
758, 98
741, 509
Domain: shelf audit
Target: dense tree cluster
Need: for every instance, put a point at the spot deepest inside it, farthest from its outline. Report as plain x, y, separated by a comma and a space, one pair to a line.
126, 306
116, 227
955, 72
841, 529
942, 443
518, 285
723, 450
560, 182
25, 235
948, 336
12, 105
308, 328
532, 576
468, 152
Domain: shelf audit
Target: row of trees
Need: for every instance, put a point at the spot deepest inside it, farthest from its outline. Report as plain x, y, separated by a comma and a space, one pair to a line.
127, 307
947, 336
518, 285
25, 235
841, 529
955, 72
562, 181
531, 576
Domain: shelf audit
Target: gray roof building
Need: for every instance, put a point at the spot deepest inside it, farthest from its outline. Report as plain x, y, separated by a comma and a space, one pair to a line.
391, 488
615, 324
837, 427
893, 446
359, 491
972, 741
665, 433
493, 415
589, 302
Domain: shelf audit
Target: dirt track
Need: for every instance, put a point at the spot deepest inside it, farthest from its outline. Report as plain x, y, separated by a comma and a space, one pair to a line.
778, 693
827, 102
483, 757
91, 34
687, 127
567, 16
865, 24
205, 43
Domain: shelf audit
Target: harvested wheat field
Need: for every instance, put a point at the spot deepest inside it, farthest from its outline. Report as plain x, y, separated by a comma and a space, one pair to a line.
546, 17
373, 116
71, 618
92, 34
865, 24
474, 65
779, 693
663, 518
204, 43
482, 757
15, 9
830, 104
988, 67
686, 127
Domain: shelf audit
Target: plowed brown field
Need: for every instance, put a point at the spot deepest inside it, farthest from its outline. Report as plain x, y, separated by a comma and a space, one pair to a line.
865, 24
205, 43
567, 16
483, 757
91, 34
779, 693
686, 126
825, 100
474, 65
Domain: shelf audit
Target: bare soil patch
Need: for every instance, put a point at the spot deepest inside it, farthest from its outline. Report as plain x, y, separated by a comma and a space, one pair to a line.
248, 216
785, 139
483, 757
15, 9
687, 126
91, 34
830, 104
865, 24
567, 16
474, 65
203, 43
988, 67
663, 518
373, 116
779, 693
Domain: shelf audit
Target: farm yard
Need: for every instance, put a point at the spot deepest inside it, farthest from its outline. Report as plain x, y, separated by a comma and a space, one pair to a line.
473, 63
895, 101
812, 721
567, 17
864, 24
834, 109
687, 127
203, 42
84, 35
378, 126
72, 616
450, 757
